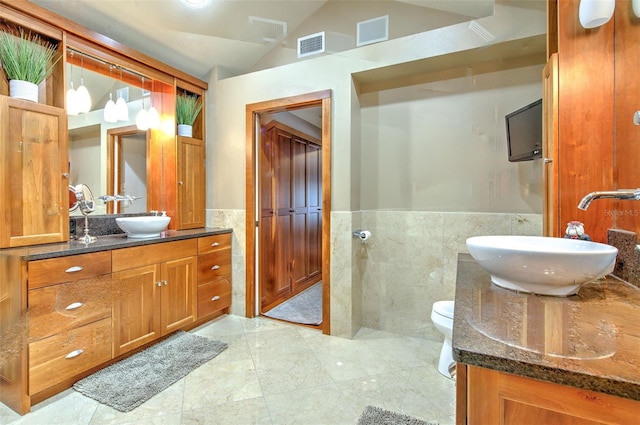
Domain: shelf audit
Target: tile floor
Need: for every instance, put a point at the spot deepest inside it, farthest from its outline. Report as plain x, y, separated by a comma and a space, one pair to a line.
274, 373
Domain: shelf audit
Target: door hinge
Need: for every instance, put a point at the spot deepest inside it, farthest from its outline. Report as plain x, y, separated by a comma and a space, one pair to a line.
256, 223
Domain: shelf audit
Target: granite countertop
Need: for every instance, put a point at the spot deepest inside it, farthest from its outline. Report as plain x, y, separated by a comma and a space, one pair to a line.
105, 243
590, 340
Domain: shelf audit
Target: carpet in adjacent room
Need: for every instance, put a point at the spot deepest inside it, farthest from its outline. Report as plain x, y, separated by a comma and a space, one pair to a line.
304, 308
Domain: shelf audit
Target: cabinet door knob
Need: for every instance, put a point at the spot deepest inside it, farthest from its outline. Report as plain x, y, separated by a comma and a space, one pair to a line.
216, 298
215, 244
65, 175
73, 306
74, 353
158, 283
180, 182
165, 282
216, 267
74, 269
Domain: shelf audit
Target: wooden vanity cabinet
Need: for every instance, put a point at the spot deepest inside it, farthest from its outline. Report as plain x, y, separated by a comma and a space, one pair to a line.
154, 292
68, 316
191, 182
495, 397
33, 173
214, 275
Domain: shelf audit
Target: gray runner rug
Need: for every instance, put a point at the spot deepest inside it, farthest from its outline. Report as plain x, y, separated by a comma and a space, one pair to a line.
130, 382
377, 416
305, 308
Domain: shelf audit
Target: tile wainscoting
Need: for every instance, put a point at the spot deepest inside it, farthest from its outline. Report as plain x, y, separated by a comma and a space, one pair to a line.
389, 282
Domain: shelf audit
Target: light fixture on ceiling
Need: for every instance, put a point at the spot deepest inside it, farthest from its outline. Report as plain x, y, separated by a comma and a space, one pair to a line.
142, 119
72, 95
83, 96
595, 13
110, 111
122, 110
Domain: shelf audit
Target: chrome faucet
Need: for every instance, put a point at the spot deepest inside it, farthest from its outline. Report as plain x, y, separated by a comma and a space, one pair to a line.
617, 194
127, 199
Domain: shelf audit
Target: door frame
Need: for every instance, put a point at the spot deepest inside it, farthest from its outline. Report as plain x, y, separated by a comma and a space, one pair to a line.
322, 99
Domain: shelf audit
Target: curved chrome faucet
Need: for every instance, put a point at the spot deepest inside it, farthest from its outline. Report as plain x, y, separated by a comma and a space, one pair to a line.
617, 194
127, 199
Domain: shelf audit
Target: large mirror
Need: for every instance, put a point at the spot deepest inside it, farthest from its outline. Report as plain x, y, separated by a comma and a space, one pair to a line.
111, 157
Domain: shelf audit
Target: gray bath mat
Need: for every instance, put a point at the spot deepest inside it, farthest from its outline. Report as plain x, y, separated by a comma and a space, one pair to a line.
377, 416
132, 381
304, 308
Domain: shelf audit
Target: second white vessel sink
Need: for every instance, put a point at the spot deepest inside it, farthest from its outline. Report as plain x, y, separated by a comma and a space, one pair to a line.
143, 226
542, 265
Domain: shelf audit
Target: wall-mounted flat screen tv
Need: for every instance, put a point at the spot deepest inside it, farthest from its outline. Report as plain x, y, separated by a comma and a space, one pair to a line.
524, 132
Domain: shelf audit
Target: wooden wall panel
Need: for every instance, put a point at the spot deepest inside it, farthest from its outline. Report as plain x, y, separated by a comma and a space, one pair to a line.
586, 120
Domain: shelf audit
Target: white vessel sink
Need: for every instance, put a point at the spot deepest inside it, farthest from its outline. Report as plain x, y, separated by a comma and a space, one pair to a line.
542, 265
143, 226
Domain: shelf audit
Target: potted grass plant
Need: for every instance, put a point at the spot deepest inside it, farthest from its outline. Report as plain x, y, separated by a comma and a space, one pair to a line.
187, 109
27, 61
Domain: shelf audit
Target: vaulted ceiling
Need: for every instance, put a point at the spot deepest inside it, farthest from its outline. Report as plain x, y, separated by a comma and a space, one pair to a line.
239, 35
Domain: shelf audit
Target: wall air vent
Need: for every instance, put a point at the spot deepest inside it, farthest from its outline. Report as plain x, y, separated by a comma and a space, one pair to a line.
311, 44
268, 30
373, 31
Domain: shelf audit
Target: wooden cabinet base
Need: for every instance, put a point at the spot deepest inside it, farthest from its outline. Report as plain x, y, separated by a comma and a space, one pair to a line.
500, 398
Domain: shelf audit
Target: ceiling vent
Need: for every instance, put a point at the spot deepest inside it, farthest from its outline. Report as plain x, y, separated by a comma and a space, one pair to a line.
268, 30
373, 31
311, 44
481, 31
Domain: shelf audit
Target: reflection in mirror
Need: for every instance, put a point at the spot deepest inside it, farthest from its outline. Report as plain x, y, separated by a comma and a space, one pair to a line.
88, 132
127, 168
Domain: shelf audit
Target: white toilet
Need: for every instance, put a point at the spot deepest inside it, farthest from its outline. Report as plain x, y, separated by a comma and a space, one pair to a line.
442, 318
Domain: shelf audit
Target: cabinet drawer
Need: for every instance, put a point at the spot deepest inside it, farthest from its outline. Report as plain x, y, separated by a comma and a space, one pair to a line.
56, 308
138, 256
213, 296
214, 243
57, 358
64, 269
214, 265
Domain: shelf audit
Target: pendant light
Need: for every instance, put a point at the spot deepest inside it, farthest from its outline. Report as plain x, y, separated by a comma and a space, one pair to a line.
595, 13
83, 96
142, 119
72, 95
122, 110
153, 115
110, 112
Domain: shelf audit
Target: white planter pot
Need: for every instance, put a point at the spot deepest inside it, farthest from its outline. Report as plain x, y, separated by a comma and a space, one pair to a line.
185, 130
23, 90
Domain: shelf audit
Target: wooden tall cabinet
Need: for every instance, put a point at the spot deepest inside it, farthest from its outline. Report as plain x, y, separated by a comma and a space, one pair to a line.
191, 182
550, 225
33, 173
291, 213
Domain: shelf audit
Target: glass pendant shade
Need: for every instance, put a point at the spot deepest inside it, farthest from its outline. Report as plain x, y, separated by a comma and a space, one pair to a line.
142, 120
83, 98
72, 101
122, 110
110, 112
635, 5
595, 13
154, 118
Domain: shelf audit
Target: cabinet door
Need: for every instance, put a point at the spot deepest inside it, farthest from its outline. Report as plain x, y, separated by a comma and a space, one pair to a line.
179, 294
33, 163
191, 183
550, 214
136, 307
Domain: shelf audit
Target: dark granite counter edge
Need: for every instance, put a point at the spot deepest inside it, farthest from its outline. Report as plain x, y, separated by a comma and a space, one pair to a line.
462, 354
106, 243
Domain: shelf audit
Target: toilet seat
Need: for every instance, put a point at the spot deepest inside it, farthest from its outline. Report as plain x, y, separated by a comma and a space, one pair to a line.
444, 308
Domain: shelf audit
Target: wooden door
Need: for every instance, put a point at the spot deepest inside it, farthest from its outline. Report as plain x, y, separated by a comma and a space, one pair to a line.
136, 307
33, 164
314, 212
179, 294
191, 183
284, 214
300, 210
267, 218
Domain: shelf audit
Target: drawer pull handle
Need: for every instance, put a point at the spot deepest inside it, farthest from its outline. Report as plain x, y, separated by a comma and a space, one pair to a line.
74, 269
73, 306
74, 353
216, 267
216, 298
215, 244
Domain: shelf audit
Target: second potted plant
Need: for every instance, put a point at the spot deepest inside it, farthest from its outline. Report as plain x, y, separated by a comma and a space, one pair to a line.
27, 62
187, 109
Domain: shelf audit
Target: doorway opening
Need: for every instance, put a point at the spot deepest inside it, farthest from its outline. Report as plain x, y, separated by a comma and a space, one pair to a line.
281, 264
